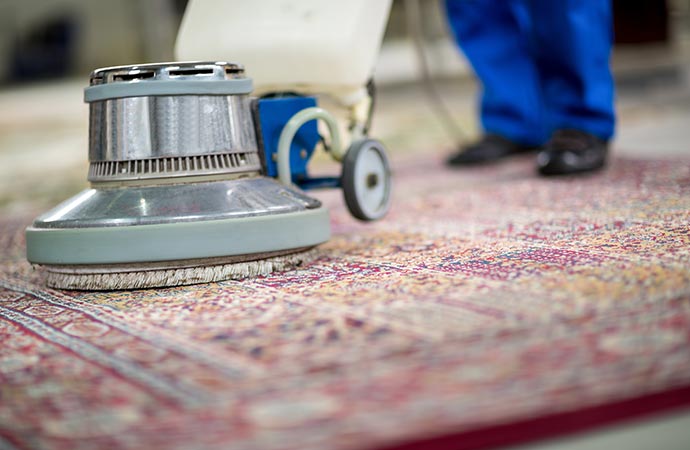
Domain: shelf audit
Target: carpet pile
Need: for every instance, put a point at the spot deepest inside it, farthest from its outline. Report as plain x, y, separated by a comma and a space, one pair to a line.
490, 307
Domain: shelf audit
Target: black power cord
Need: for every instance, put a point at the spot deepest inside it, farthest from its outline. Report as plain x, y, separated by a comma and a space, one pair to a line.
413, 16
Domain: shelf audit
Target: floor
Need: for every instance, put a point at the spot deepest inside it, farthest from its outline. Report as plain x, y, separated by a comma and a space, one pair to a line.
668, 433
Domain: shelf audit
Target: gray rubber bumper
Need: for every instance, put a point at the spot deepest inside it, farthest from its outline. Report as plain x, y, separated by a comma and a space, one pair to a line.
178, 241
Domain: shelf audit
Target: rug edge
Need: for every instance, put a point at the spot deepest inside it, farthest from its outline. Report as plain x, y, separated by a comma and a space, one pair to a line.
550, 426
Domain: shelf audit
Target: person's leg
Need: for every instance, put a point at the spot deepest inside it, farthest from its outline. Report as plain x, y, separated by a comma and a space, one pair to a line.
492, 34
572, 44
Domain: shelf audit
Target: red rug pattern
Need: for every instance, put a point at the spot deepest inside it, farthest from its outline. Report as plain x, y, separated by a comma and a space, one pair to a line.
487, 299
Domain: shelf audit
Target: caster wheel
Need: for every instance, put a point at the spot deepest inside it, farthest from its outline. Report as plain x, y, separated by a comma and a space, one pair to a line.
366, 180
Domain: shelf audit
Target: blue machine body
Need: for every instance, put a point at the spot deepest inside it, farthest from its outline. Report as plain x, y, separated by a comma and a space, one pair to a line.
274, 113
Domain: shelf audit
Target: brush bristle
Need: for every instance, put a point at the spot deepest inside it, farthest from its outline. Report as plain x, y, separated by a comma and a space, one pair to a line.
177, 277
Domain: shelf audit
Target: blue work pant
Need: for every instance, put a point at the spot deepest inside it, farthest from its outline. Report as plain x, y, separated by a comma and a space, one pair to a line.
543, 64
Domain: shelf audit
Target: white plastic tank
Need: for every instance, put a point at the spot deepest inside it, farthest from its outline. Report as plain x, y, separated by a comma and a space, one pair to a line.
308, 46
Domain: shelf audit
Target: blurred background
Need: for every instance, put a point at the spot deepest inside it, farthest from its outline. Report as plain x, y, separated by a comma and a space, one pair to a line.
49, 47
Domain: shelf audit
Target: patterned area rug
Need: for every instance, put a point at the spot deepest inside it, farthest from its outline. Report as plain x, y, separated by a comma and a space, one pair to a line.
490, 307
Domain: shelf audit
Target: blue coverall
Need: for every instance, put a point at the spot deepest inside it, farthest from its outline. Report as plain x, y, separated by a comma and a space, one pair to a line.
543, 64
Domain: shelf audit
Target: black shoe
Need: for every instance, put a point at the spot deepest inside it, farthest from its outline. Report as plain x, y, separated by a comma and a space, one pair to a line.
572, 151
489, 148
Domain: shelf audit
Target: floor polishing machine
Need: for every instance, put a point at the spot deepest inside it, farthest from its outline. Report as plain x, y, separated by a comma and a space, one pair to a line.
198, 173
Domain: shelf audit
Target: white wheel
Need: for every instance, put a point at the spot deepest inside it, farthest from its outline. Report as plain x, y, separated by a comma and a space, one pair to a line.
366, 180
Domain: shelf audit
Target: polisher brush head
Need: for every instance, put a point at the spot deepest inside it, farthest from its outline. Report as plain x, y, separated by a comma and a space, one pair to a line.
141, 277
